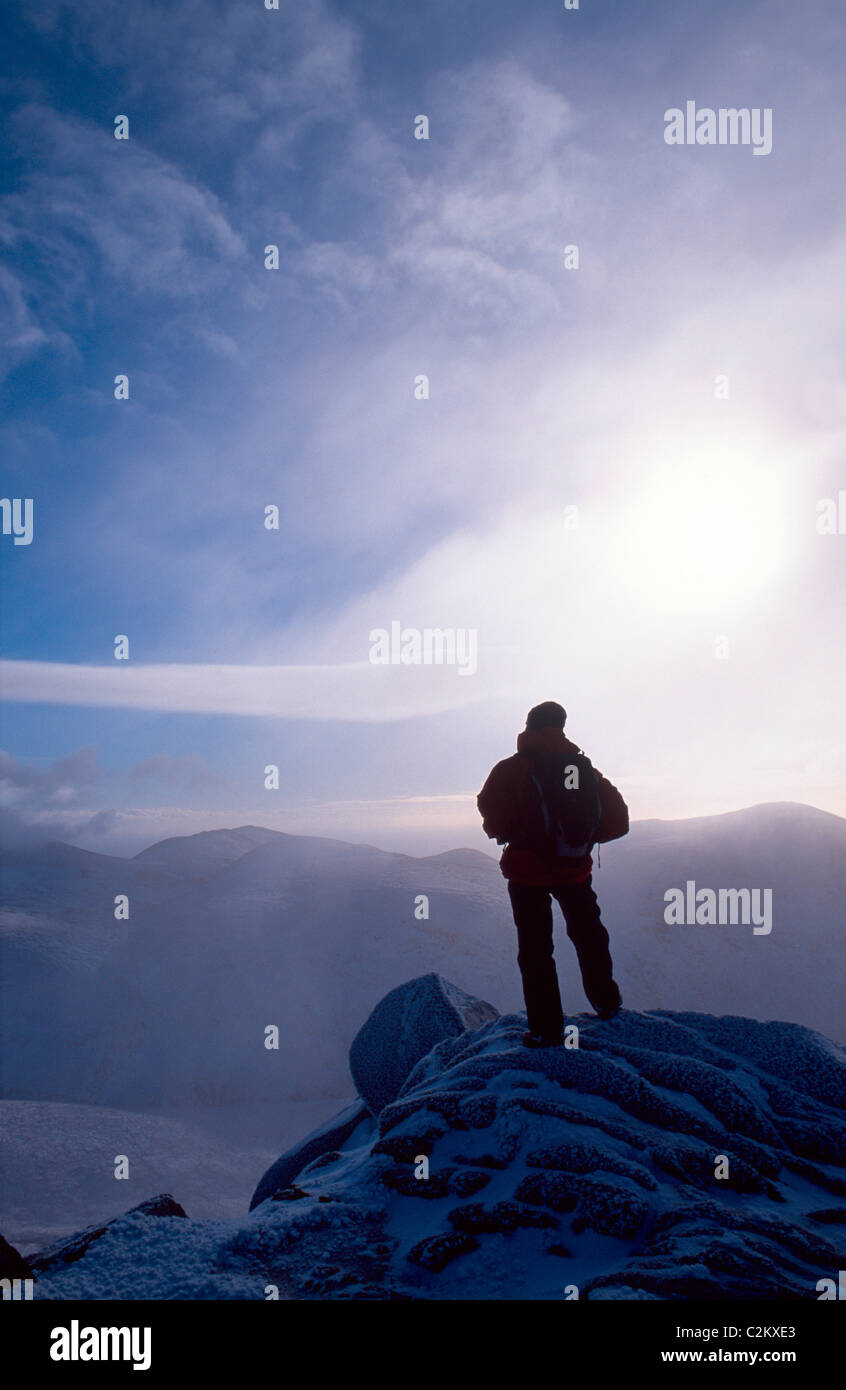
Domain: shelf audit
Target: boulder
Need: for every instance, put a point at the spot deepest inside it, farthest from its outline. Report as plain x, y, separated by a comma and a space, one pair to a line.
404, 1027
326, 1138
67, 1251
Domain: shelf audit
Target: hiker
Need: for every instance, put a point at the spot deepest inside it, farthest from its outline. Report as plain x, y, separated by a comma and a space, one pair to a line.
548, 805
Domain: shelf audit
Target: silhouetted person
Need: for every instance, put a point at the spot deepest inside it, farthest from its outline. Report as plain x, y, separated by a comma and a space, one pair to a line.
548, 805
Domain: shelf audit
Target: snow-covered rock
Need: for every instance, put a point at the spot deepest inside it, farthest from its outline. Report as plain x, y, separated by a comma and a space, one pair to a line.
325, 1139
403, 1027
66, 1252
668, 1155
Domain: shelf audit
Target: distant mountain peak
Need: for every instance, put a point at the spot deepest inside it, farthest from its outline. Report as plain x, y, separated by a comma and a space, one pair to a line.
207, 850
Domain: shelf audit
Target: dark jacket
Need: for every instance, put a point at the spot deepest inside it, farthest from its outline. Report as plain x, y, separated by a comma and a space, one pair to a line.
506, 804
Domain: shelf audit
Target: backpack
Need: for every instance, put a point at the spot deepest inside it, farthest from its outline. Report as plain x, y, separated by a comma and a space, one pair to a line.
566, 810
614, 816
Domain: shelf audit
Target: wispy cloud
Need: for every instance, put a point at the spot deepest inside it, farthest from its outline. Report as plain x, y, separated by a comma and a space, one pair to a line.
94, 215
355, 692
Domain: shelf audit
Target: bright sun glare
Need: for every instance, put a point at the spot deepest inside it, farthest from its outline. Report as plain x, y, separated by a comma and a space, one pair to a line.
704, 534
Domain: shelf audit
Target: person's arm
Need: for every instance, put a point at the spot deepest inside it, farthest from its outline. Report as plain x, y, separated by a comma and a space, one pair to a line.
495, 803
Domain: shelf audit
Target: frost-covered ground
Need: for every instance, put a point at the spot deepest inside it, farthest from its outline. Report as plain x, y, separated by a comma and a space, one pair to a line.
590, 1170
58, 1166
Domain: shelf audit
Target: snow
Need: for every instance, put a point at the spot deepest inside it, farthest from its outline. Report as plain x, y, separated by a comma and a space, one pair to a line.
57, 1164
592, 1167
327, 1138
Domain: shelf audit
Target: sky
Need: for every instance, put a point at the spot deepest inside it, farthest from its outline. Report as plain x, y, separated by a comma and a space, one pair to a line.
611, 482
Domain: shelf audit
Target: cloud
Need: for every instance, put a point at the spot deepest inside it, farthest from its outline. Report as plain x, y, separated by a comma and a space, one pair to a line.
548, 387
186, 773
91, 210
255, 81
66, 776
40, 803
24, 335
55, 802
102, 825
355, 692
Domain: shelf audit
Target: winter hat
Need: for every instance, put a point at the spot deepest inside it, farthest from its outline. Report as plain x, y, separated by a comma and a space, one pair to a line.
547, 715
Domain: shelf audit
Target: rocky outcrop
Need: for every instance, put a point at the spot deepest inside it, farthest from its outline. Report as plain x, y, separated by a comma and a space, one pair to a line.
327, 1138
656, 1156
696, 1148
403, 1028
65, 1252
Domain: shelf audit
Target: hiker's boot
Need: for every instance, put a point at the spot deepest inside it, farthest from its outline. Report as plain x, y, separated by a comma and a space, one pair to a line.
541, 1040
611, 1009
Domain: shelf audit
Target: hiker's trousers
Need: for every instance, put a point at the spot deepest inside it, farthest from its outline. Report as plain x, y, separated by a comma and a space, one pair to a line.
532, 908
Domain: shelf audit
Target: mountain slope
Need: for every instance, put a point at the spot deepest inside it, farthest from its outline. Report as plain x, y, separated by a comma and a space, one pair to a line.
796, 972
170, 1008
58, 1167
233, 931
